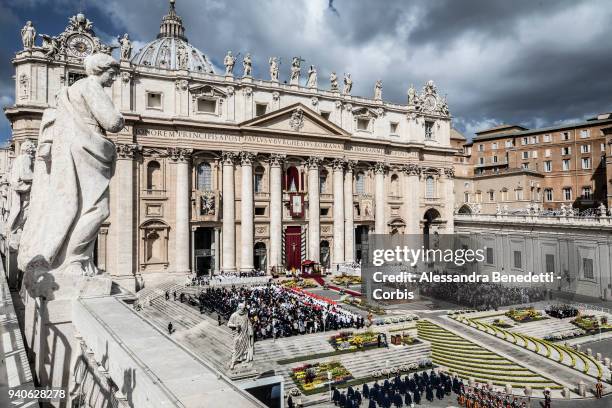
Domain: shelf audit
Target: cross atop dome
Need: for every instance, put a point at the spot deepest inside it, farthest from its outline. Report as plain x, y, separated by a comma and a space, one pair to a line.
172, 24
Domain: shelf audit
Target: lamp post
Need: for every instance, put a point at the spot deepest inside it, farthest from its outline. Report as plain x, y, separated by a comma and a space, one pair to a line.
329, 379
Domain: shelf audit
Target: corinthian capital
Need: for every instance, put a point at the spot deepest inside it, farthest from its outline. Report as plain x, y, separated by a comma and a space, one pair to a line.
338, 164
412, 169
350, 165
227, 158
313, 162
449, 172
246, 158
179, 154
380, 168
127, 151
276, 159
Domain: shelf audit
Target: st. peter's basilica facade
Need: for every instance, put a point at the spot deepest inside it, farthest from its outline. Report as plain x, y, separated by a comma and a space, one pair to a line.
226, 172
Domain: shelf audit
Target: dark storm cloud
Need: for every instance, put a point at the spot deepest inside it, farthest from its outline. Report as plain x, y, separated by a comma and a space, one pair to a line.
520, 61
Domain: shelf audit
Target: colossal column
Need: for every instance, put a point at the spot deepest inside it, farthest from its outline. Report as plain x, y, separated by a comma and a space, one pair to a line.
229, 214
314, 212
449, 200
125, 211
379, 197
246, 212
348, 213
338, 168
411, 198
182, 201
276, 209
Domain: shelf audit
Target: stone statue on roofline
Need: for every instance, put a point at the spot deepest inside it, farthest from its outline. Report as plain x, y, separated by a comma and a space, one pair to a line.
20, 184
70, 191
274, 67
28, 35
229, 61
126, 47
247, 64
333, 80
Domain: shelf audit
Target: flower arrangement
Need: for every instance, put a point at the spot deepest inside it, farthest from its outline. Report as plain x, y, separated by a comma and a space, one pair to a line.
299, 283
346, 340
309, 377
346, 280
524, 315
591, 323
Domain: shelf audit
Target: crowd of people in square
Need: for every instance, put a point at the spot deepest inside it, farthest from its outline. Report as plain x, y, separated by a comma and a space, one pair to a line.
561, 311
483, 296
276, 311
254, 277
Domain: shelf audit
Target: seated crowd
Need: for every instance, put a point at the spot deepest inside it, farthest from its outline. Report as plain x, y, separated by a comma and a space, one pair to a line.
483, 296
279, 312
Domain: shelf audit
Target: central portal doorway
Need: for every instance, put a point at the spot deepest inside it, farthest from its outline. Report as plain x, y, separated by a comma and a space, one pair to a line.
204, 252
293, 247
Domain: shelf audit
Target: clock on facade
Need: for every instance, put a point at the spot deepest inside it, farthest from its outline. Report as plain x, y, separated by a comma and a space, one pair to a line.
430, 102
80, 45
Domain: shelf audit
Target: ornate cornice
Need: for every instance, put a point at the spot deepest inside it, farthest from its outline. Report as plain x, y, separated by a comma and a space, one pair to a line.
127, 151
179, 154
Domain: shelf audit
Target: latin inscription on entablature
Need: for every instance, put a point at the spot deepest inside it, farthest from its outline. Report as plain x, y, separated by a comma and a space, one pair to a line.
188, 134
403, 153
290, 142
365, 149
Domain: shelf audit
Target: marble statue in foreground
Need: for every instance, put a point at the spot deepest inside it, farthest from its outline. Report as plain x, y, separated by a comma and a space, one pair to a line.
242, 329
70, 192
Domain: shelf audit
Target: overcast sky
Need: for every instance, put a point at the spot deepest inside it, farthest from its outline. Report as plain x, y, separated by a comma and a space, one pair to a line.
534, 63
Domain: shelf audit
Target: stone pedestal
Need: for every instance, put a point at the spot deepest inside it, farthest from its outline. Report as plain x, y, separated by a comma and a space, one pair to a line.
379, 197
50, 334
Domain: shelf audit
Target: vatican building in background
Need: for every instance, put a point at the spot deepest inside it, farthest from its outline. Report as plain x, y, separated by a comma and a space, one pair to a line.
221, 171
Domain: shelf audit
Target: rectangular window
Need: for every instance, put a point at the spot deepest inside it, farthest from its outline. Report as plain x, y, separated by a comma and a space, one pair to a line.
547, 138
363, 124
490, 259
587, 268
325, 115
567, 193
154, 100
586, 163
481, 148
260, 211
566, 164
548, 166
494, 159
466, 197
548, 194
519, 194
525, 155
534, 154
534, 139
324, 212
491, 195
565, 150
547, 153
525, 141
525, 166
393, 128
207, 106
565, 136
586, 148
260, 109
508, 143
494, 146
258, 182
587, 192
584, 133
550, 263
518, 261
428, 130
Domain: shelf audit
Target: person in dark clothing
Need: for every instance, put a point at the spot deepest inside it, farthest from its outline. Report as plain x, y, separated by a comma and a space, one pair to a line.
290, 402
167, 295
219, 319
335, 395
357, 397
408, 399
342, 401
170, 328
174, 294
372, 404
417, 397
365, 390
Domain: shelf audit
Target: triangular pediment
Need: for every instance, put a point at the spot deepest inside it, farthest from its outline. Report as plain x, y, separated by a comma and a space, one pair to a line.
296, 119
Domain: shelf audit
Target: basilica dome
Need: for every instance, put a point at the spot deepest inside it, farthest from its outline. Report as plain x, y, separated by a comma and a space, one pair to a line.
171, 50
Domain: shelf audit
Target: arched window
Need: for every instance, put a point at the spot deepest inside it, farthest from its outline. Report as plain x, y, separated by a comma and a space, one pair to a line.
395, 185
154, 176
323, 181
430, 187
293, 179
258, 177
204, 177
360, 183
